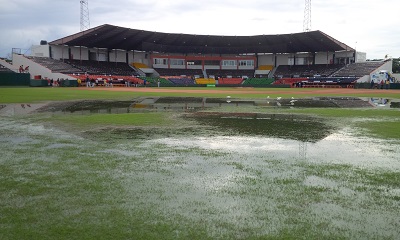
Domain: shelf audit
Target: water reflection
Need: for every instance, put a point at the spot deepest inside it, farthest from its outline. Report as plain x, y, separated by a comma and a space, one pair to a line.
380, 102
302, 150
269, 125
384, 102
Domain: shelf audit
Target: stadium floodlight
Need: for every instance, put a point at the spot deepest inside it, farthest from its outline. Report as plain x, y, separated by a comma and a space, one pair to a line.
307, 16
85, 23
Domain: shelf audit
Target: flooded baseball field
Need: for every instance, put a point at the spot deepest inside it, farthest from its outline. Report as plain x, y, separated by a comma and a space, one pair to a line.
215, 175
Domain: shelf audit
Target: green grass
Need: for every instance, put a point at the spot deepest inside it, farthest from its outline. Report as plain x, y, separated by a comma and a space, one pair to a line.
381, 129
99, 184
347, 112
380, 123
129, 119
31, 95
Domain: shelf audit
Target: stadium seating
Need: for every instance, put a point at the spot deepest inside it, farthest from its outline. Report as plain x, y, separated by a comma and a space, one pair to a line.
154, 81
55, 65
181, 81
324, 70
289, 81
266, 67
139, 65
230, 81
358, 69
4, 69
205, 81
102, 67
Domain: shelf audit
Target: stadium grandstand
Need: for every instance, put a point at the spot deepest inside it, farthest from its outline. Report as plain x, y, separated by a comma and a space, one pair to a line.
123, 55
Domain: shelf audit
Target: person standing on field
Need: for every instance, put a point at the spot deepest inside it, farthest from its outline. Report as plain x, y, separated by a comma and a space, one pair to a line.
87, 81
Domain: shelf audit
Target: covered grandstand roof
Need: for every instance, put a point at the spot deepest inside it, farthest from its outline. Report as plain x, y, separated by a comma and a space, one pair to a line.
114, 37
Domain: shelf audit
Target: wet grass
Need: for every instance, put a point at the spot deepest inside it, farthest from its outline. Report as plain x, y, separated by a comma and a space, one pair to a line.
382, 129
159, 176
346, 112
166, 185
31, 95
128, 119
380, 123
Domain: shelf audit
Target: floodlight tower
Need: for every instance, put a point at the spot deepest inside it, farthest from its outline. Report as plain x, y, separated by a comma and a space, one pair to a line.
307, 17
85, 23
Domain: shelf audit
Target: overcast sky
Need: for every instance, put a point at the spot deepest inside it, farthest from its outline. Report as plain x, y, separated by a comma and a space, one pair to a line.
369, 26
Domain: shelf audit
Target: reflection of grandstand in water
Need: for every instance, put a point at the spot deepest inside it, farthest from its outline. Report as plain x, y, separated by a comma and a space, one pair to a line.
195, 104
285, 126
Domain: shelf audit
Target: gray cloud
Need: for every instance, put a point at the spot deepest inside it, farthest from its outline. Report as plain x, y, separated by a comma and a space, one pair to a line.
26, 22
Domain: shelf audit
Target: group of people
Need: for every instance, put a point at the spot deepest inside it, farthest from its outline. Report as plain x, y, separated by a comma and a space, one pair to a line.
23, 70
55, 83
383, 84
108, 82
95, 82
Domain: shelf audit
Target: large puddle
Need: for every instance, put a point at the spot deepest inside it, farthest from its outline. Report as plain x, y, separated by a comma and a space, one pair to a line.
229, 175
285, 126
191, 104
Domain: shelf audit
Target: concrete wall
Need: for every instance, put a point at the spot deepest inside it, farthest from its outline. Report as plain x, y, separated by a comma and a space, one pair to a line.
59, 52
117, 56
324, 58
81, 53
131, 57
142, 57
267, 59
40, 50
282, 59
361, 56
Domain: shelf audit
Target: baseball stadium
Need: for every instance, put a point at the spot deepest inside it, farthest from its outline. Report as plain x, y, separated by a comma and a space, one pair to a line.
123, 133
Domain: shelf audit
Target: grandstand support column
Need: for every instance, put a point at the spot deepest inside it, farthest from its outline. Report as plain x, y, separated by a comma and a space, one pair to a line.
62, 49
115, 57
258, 64
314, 56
